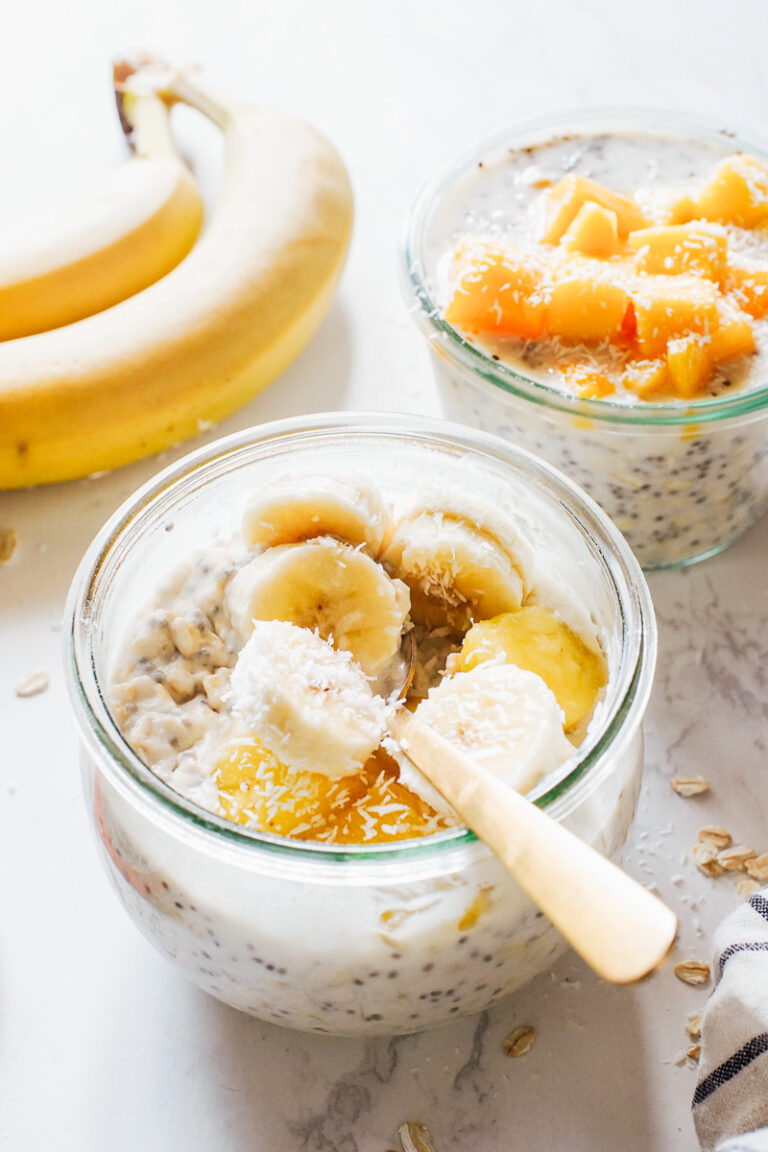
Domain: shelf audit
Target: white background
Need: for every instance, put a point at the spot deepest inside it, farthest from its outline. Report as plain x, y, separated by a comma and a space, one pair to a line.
102, 1045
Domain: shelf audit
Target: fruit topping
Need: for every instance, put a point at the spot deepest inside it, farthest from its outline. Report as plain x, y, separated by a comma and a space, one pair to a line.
536, 639
670, 301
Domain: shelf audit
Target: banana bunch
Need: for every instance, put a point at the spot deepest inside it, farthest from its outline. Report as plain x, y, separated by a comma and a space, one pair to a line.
124, 336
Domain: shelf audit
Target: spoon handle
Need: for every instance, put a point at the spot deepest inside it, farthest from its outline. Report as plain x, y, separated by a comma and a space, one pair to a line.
617, 926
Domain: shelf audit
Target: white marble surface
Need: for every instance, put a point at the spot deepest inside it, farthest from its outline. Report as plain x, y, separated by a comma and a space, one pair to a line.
102, 1044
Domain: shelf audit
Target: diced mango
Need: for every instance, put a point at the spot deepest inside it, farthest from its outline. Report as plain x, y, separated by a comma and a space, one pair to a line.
257, 790
645, 377
592, 232
535, 639
690, 364
501, 291
733, 335
587, 302
698, 248
587, 383
562, 203
749, 287
670, 306
736, 193
681, 210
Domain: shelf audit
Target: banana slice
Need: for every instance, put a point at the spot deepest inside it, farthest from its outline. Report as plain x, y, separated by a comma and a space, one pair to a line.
504, 717
456, 568
296, 508
308, 704
327, 587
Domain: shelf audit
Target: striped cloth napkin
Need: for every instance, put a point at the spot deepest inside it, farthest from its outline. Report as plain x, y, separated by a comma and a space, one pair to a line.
730, 1105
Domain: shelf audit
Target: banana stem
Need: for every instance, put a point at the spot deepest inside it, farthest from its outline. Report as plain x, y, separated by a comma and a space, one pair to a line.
148, 77
149, 125
192, 90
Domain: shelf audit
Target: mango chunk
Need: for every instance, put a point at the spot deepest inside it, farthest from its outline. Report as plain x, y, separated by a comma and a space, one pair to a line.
749, 287
501, 291
587, 383
593, 232
587, 302
535, 639
646, 377
257, 790
562, 203
690, 364
670, 306
681, 210
736, 193
733, 335
698, 248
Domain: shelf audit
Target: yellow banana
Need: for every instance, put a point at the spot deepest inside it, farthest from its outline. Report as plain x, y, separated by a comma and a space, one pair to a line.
201, 341
143, 222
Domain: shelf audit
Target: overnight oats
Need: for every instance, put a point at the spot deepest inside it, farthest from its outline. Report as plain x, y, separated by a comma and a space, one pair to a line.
597, 291
241, 632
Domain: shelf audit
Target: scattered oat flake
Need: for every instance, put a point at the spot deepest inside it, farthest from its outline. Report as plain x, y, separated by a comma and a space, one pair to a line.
694, 1052
33, 685
520, 1041
714, 834
415, 1137
705, 857
692, 971
9, 542
757, 868
690, 785
746, 887
735, 859
694, 1025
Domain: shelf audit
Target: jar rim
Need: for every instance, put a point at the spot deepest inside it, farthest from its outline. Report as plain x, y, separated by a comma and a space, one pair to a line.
468, 356
103, 739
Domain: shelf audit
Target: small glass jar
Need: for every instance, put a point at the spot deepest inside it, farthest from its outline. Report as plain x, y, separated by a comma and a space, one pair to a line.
386, 939
681, 480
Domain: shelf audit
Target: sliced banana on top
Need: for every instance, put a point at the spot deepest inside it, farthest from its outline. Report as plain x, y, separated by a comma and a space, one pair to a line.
457, 569
504, 717
298, 508
328, 587
309, 705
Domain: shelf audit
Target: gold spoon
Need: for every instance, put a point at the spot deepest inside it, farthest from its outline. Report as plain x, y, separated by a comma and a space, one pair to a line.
620, 928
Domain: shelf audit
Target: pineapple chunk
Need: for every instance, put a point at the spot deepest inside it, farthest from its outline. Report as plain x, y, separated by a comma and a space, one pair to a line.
733, 335
587, 302
690, 364
535, 639
670, 306
257, 790
645, 377
586, 383
593, 231
737, 192
698, 248
501, 291
562, 203
749, 287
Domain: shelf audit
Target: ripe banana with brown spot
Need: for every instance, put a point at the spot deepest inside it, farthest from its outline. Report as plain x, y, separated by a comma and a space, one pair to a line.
199, 343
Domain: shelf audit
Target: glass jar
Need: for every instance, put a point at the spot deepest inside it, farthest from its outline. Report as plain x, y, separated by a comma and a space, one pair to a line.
681, 480
389, 939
